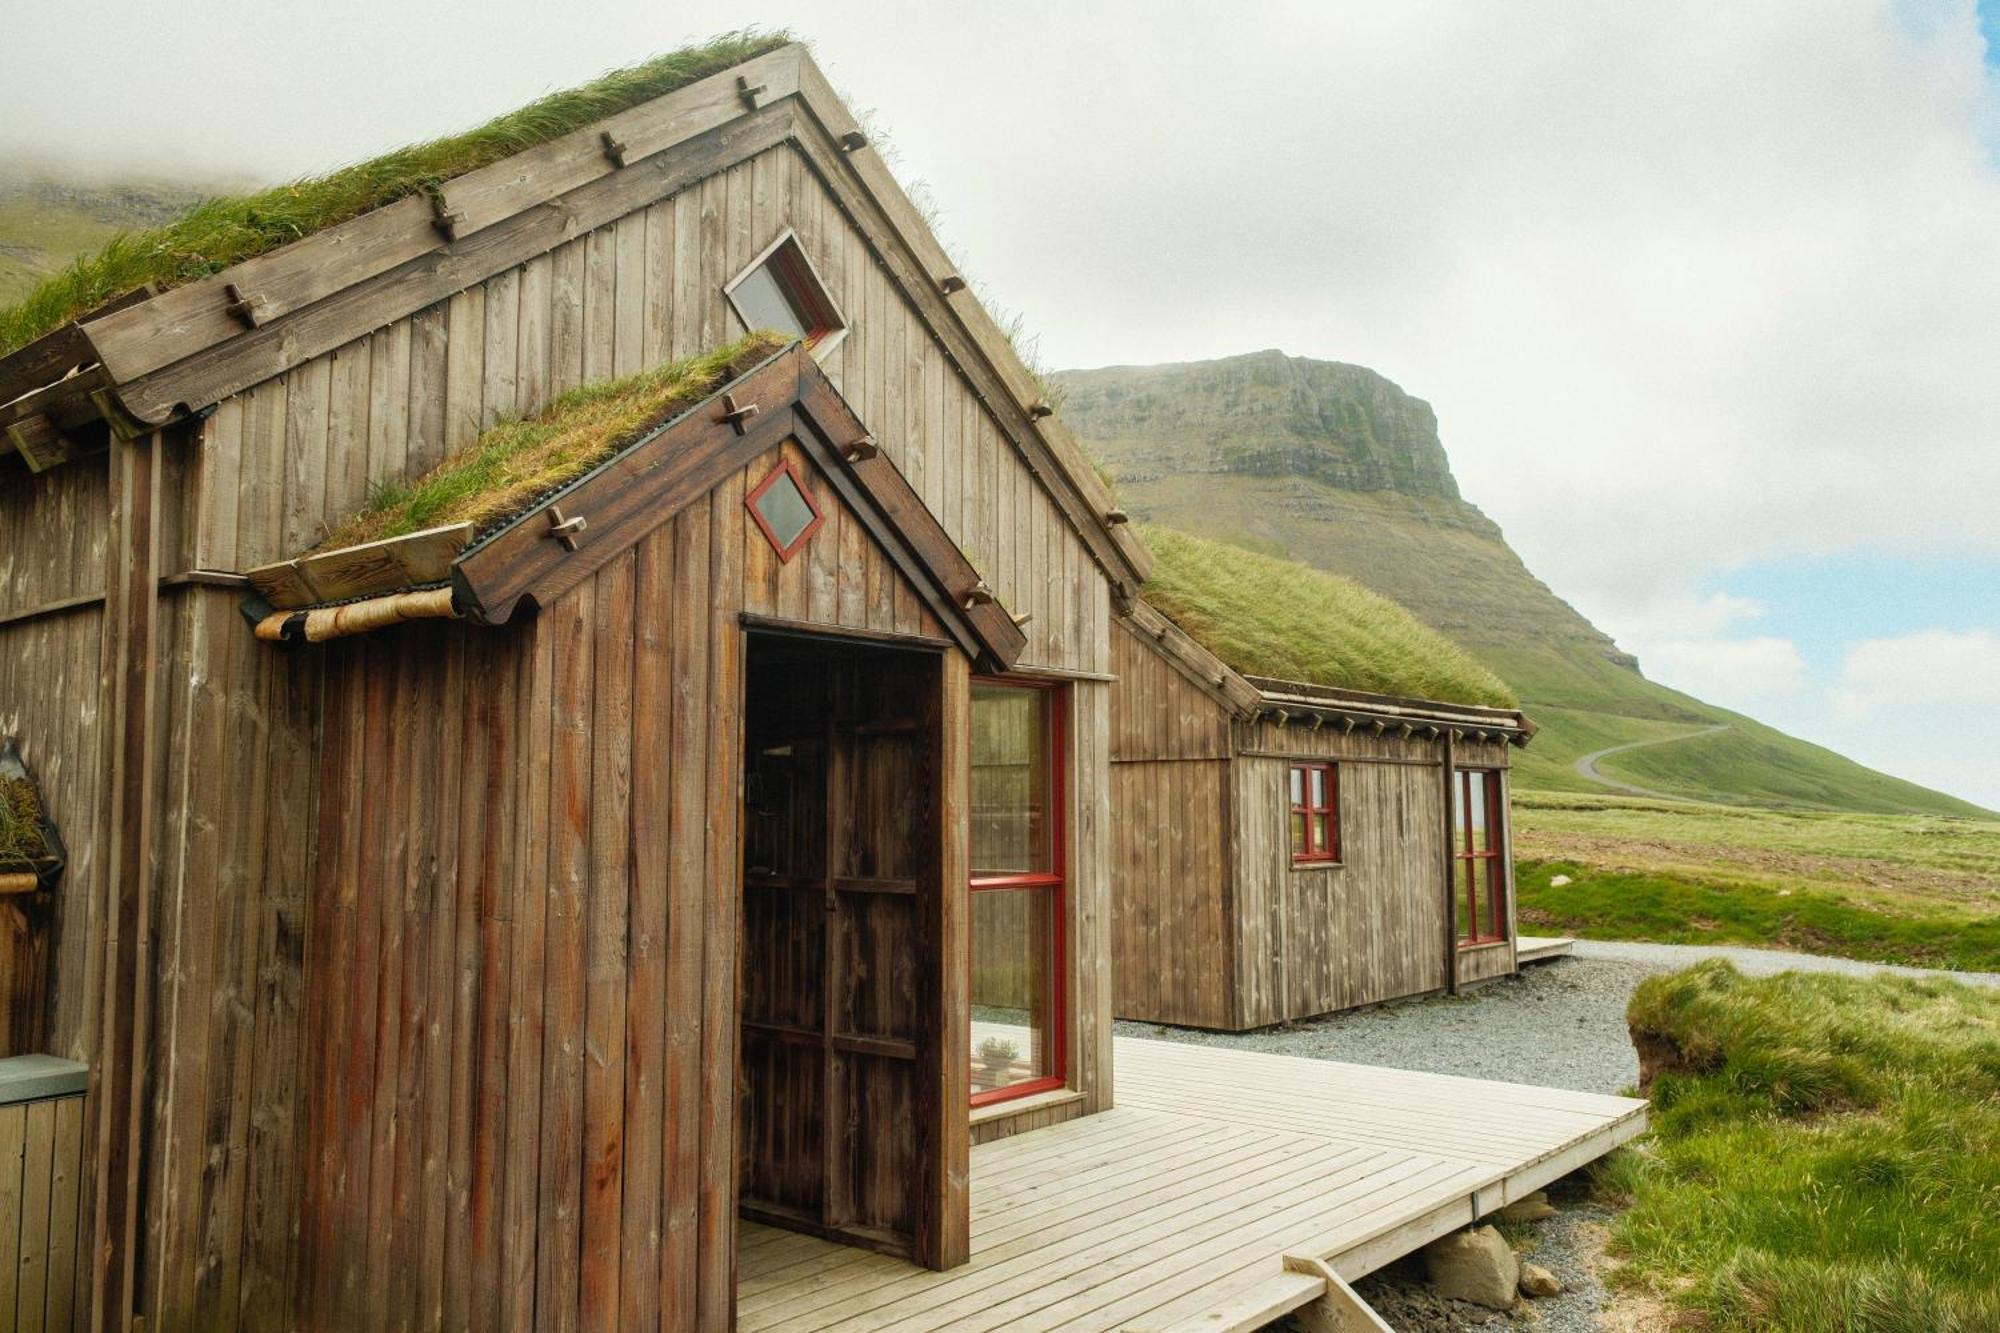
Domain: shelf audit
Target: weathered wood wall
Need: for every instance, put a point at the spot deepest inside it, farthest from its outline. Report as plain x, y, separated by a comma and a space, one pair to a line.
533, 1092
1215, 926
1319, 938
52, 559
1174, 959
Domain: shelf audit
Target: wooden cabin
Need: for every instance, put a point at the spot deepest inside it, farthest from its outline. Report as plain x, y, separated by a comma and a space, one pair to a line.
1283, 850
580, 814
405, 963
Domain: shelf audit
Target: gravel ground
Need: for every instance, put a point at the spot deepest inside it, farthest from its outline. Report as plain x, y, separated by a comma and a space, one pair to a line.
1558, 1024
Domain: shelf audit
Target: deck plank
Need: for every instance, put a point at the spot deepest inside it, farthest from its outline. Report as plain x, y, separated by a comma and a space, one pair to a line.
1176, 1209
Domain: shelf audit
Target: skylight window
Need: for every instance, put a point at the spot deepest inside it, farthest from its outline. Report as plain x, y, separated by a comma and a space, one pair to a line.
781, 291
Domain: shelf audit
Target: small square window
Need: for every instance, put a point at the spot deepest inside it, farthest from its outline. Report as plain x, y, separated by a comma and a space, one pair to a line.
781, 291
784, 510
1315, 813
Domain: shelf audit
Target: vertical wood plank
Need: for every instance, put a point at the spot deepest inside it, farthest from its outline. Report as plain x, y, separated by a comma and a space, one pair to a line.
37, 1183
13, 1140
611, 855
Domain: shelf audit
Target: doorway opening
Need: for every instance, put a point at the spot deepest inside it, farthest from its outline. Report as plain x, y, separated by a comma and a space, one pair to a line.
839, 1075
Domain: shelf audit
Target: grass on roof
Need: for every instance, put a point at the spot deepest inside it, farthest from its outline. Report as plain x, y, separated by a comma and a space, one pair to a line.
227, 231
509, 467
21, 841
1270, 617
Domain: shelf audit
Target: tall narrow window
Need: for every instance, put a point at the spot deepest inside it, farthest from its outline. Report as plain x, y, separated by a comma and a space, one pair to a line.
1017, 890
1477, 842
781, 291
1315, 813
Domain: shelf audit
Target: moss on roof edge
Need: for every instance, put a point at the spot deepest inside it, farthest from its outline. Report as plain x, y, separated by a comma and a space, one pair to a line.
1282, 620
227, 230
511, 467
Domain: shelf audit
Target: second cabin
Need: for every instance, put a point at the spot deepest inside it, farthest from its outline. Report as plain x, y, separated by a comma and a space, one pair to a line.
1286, 848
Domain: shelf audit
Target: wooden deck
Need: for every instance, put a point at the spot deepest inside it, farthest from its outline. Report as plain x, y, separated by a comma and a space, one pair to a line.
1183, 1207
1541, 948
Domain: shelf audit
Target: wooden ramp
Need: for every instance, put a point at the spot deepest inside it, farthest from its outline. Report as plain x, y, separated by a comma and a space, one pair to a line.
1541, 948
1220, 1194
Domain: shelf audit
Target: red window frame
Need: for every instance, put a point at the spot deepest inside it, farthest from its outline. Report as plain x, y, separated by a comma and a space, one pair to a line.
1055, 880
1474, 870
1303, 810
785, 468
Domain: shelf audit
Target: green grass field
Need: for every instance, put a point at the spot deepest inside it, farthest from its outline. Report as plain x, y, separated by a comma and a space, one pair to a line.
1923, 890
1825, 1155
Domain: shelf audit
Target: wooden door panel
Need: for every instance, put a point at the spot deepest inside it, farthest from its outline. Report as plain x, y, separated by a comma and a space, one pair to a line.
878, 966
877, 1148
782, 1153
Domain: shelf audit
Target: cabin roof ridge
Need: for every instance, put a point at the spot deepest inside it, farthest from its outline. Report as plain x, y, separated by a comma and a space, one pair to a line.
150, 358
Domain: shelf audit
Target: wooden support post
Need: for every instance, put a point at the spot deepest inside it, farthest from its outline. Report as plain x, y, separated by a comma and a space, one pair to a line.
1339, 1309
121, 1067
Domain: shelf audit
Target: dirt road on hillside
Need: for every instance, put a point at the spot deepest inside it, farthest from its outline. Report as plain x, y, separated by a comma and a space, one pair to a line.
1586, 767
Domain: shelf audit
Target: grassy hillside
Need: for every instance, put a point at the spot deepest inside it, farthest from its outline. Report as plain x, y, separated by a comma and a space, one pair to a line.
1918, 889
1271, 617
45, 223
1335, 467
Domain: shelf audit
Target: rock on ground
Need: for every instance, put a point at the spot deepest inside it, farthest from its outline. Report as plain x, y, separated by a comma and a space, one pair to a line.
1539, 1282
1477, 1265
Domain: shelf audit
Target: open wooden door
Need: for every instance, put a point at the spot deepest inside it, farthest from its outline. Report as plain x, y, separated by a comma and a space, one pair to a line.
840, 1082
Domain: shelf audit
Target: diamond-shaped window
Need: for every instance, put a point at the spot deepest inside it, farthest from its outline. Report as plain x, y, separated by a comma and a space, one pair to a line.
784, 510
781, 291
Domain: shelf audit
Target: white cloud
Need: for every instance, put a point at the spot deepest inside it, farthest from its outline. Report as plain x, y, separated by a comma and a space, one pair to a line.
1925, 671
1744, 674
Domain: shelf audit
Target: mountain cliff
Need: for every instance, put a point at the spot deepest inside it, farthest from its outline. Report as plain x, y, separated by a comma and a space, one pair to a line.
1335, 466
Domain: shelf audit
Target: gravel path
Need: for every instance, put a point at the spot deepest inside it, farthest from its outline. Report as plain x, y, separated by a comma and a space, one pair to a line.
1757, 962
1559, 1024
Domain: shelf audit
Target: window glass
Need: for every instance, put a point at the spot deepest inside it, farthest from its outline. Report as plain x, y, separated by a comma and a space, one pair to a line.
1298, 833
1014, 986
1017, 891
761, 301
1298, 786
783, 506
1011, 819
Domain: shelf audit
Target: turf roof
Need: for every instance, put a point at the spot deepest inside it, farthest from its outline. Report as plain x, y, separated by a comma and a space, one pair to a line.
510, 467
226, 231
1270, 617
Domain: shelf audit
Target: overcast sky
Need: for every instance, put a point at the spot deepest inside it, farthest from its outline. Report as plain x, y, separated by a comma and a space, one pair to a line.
1707, 297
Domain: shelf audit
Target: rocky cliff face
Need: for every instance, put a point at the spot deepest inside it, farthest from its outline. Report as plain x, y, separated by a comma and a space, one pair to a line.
1334, 465
1264, 414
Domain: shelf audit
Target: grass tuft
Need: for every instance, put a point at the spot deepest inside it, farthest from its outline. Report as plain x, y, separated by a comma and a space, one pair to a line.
226, 231
505, 470
1271, 617
21, 840
1825, 1155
